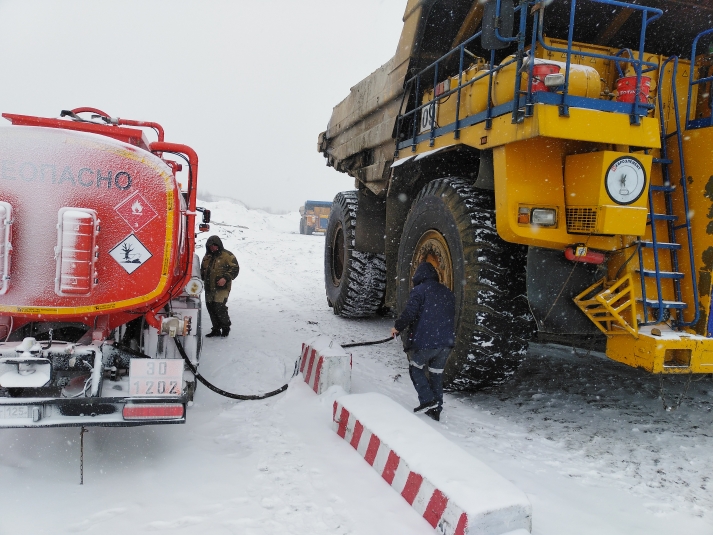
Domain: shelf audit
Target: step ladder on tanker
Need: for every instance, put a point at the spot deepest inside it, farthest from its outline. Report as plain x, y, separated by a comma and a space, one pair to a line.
665, 249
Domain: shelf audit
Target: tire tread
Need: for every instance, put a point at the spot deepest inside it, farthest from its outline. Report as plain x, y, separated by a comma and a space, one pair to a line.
363, 286
495, 323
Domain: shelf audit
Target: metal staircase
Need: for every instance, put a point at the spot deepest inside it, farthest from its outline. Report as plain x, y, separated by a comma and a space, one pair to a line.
657, 309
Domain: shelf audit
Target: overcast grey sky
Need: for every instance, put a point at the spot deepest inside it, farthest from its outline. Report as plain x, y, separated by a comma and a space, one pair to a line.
248, 84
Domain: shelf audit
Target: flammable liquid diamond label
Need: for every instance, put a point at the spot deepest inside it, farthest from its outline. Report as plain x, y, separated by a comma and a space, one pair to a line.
136, 211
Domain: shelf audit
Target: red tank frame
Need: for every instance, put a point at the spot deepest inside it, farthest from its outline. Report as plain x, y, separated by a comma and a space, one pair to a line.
100, 320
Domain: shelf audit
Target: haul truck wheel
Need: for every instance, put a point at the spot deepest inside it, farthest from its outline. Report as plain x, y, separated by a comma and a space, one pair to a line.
451, 224
302, 226
355, 281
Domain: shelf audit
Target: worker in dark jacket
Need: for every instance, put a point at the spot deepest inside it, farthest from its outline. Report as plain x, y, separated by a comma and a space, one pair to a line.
430, 312
218, 269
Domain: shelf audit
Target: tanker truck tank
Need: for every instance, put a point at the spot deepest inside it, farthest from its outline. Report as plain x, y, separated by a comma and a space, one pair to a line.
98, 273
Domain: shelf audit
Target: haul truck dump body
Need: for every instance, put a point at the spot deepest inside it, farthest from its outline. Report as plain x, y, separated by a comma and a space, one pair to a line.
552, 161
100, 284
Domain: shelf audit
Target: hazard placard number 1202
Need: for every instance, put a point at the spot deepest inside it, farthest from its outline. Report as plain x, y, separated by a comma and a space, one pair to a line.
155, 377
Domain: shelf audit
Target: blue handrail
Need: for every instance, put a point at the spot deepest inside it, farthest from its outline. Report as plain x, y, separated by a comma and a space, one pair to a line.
637, 108
654, 239
637, 64
497, 30
667, 190
684, 183
442, 96
435, 65
692, 81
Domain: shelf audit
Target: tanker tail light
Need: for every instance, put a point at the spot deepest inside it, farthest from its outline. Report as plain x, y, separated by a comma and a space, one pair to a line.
5, 245
150, 411
76, 251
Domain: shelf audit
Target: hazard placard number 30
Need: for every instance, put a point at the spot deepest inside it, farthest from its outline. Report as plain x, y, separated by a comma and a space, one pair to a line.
155, 377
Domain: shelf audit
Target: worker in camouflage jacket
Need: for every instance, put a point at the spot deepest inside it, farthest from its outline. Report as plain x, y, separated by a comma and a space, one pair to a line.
218, 269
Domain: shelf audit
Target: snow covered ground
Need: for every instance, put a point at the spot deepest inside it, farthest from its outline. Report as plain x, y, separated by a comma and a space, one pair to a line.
585, 438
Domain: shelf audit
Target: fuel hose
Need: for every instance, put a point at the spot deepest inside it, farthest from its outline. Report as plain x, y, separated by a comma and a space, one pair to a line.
376, 342
220, 391
243, 397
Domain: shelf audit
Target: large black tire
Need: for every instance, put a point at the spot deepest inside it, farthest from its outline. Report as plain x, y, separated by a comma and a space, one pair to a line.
302, 225
355, 281
453, 224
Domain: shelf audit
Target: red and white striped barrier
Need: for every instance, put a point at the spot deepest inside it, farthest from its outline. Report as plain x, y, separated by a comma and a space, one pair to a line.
455, 492
324, 363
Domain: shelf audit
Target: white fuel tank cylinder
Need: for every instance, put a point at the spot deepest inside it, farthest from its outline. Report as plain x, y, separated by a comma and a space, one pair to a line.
76, 251
5, 245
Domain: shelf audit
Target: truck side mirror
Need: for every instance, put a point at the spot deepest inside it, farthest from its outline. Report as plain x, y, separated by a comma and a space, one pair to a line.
204, 226
503, 24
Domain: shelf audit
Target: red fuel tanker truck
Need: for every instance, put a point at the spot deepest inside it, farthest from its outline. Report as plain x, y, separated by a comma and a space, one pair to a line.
100, 287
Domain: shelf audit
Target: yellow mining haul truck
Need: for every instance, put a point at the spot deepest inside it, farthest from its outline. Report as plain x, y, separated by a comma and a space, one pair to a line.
314, 216
553, 160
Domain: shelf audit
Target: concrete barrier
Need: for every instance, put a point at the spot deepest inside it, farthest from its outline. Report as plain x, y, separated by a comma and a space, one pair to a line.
324, 363
453, 491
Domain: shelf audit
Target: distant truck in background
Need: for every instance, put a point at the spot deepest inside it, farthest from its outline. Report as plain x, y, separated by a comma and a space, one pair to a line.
315, 216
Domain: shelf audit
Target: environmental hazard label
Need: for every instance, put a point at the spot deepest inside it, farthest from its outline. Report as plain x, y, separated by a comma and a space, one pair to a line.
136, 211
130, 253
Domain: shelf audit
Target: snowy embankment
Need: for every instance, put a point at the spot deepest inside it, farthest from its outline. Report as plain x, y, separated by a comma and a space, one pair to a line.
585, 438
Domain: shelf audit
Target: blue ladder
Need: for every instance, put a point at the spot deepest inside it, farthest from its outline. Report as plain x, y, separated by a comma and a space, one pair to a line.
657, 305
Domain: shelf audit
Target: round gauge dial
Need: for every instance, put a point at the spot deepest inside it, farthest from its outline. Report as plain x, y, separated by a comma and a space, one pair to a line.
625, 180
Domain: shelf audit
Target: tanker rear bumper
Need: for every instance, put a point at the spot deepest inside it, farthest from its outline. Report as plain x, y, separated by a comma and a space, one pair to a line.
98, 411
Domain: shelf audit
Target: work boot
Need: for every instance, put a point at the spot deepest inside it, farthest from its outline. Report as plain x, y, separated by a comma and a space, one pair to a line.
225, 331
213, 332
435, 413
425, 406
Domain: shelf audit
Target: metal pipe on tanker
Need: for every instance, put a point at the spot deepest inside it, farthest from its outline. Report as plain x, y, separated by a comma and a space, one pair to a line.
123, 122
97, 372
162, 146
149, 124
85, 109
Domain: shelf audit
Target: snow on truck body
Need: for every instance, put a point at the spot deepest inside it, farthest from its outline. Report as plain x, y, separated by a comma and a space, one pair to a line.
98, 275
